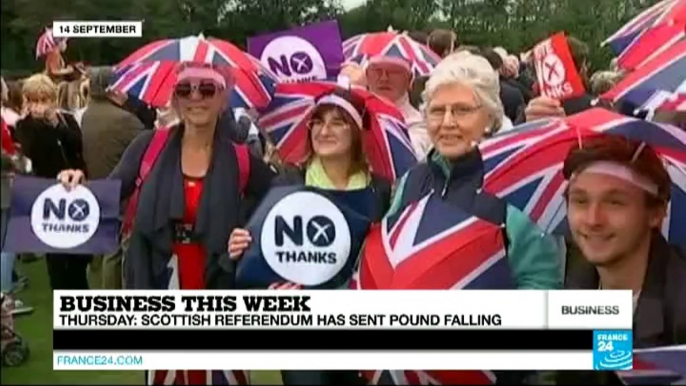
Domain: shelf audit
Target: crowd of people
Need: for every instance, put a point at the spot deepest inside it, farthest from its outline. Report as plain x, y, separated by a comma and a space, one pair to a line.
66, 123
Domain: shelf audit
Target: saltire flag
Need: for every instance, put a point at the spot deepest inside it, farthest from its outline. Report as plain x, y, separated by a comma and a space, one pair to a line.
659, 84
657, 366
524, 166
197, 377
386, 141
654, 16
359, 49
306, 236
148, 73
46, 218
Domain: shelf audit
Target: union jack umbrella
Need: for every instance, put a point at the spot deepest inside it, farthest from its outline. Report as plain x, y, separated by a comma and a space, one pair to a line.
46, 43
651, 17
198, 377
652, 43
524, 166
361, 48
429, 377
387, 142
657, 366
149, 73
433, 244
659, 84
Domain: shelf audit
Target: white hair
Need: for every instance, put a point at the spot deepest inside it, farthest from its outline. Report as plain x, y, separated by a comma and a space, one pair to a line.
470, 70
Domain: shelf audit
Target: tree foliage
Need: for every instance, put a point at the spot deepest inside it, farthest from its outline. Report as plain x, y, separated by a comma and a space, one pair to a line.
514, 24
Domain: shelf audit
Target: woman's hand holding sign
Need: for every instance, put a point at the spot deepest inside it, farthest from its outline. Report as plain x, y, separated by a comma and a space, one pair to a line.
239, 241
71, 178
544, 107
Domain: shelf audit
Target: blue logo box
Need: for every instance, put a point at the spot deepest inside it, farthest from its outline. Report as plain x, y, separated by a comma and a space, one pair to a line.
613, 350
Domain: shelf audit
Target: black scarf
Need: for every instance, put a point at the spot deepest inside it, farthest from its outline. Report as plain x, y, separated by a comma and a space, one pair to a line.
161, 201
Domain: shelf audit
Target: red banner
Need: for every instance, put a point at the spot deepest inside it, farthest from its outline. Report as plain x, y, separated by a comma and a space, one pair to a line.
557, 75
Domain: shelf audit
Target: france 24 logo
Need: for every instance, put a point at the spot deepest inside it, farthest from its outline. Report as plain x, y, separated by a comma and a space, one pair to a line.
613, 350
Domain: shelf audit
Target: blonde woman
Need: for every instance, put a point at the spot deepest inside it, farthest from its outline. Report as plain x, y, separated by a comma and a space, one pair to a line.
52, 140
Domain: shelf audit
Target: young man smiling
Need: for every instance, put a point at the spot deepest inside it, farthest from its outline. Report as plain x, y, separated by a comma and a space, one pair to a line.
617, 198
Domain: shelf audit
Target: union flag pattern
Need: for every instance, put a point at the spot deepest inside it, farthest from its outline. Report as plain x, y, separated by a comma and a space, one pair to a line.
658, 84
361, 48
149, 74
524, 166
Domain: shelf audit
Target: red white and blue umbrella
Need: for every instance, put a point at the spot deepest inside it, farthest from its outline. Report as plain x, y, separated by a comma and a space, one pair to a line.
524, 166
386, 140
651, 17
657, 366
149, 73
361, 48
46, 43
659, 83
433, 244
651, 43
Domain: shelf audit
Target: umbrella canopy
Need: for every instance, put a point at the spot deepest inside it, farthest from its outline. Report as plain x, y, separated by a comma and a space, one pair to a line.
657, 84
657, 366
386, 140
361, 48
149, 73
46, 43
650, 17
652, 43
524, 166
433, 244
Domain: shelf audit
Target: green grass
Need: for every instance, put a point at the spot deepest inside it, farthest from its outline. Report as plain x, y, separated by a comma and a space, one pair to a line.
37, 330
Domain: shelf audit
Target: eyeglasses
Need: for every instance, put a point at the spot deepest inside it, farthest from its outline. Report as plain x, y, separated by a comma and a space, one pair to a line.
206, 89
437, 114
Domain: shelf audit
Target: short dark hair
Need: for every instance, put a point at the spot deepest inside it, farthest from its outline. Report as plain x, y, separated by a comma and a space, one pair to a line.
419, 36
579, 50
441, 41
493, 58
359, 160
621, 150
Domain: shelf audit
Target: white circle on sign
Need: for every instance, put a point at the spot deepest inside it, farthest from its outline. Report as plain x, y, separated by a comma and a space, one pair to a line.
305, 239
293, 58
65, 219
553, 70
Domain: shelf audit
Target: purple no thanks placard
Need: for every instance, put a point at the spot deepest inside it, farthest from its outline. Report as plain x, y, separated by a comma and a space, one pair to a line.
46, 218
312, 52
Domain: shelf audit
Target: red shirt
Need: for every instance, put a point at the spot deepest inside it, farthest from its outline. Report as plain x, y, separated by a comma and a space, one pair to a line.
191, 257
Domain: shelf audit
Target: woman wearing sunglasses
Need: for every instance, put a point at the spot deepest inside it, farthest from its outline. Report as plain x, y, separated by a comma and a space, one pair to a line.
189, 201
336, 162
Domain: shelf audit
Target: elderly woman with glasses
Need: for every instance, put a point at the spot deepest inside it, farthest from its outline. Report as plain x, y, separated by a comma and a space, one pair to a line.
461, 104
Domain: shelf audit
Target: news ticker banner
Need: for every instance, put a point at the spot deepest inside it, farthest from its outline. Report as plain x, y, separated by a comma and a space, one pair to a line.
330, 329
